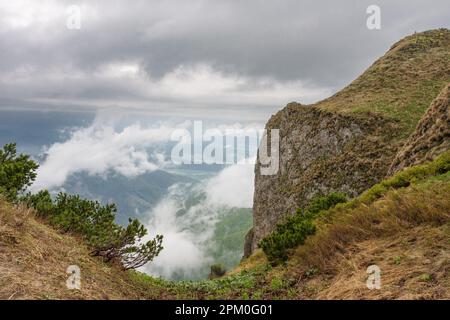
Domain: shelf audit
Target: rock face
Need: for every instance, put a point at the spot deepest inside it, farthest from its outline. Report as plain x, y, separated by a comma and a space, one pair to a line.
320, 152
431, 138
347, 143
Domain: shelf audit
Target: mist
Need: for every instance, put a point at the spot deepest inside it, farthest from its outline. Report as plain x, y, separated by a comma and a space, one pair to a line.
188, 212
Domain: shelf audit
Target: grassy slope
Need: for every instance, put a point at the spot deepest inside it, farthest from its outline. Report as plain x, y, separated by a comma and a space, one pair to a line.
401, 84
401, 224
34, 259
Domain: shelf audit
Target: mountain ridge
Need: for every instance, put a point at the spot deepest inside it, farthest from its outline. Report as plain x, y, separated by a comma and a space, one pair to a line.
346, 143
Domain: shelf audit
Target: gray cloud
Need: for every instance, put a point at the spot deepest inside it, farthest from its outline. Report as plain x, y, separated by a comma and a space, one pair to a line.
176, 56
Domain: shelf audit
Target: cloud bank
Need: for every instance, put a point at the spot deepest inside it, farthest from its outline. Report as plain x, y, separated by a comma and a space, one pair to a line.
233, 186
210, 58
100, 149
188, 237
105, 147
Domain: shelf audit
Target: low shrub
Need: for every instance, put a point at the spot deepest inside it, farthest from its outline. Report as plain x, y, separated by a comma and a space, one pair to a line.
405, 178
295, 229
217, 271
17, 172
96, 224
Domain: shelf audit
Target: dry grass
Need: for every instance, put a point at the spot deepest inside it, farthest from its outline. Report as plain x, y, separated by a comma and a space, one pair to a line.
401, 84
406, 233
399, 210
415, 264
34, 259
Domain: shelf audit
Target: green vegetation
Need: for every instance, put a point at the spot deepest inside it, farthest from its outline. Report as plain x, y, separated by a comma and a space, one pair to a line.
425, 277
403, 179
229, 235
400, 85
217, 271
295, 229
17, 172
235, 286
96, 224
397, 260
70, 213
402, 207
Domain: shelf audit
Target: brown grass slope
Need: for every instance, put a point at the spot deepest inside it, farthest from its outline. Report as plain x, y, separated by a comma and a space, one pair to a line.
401, 84
34, 258
406, 234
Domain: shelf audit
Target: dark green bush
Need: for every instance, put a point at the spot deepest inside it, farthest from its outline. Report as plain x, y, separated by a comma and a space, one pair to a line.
405, 178
321, 203
217, 271
17, 172
96, 224
295, 229
70, 213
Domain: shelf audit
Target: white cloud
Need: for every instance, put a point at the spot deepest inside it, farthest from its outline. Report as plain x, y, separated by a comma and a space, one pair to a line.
99, 149
233, 186
102, 148
27, 13
186, 236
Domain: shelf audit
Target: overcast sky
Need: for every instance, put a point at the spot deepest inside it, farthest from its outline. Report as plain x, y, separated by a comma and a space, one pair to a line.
241, 59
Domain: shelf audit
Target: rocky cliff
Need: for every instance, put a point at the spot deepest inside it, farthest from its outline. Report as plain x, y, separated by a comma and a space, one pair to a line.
347, 143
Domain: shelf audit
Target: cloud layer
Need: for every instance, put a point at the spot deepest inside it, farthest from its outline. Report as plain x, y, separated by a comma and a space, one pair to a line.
130, 150
188, 237
210, 58
100, 149
105, 147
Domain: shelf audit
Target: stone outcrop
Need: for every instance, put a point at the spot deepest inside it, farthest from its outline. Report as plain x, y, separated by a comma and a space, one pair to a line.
348, 142
320, 152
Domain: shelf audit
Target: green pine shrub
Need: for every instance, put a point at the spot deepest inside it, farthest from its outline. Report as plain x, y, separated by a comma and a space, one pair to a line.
217, 271
96, 224
17, 172
70, 213
295, 229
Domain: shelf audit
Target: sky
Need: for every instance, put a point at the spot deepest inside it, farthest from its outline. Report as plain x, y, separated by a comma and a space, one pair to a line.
242, 60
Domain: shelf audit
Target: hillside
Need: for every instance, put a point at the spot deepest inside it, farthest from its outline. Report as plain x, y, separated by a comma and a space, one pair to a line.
404, 228
346, 143
34, 258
